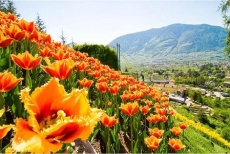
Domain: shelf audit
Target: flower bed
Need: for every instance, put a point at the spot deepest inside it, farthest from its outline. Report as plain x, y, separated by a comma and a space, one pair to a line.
52, 95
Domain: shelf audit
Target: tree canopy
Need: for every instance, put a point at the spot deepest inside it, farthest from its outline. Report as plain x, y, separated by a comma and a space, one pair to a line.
40, 24
224, 7
62, 37
7, 6
106, 54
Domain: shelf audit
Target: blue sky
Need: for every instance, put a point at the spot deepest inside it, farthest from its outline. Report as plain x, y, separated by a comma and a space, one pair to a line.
101, 21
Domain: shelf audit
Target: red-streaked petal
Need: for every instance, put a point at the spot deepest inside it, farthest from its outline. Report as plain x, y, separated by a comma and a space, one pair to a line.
4, 130
26, 140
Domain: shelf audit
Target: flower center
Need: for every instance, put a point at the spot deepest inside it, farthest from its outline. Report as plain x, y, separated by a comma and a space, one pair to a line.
54, 119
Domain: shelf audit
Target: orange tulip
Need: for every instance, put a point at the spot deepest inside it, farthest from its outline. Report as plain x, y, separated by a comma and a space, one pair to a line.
166, 104
108, 121
129, 108
156, 132
5, 128
8, 81
61, 54
44, 39
60, 69
109, 103
29, 27
15, 32
114, 89
26, 60
167, 92
183, 125
176, 144
45, 52
5, 40
152, 142
161, 111
103, 79
55, 117
176, 131
82, 66
125, 97
123, 83
157, 105
153, 118
96, 74
148, 102
102, 86
11, 17
145, 109
34, 36
170, 112
85, 83
163, 118
164, 99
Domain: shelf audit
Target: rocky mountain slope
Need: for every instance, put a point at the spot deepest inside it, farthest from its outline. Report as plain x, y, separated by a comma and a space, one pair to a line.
176, 42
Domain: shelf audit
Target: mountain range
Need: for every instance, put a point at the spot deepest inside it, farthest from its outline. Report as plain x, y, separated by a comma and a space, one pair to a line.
176, 42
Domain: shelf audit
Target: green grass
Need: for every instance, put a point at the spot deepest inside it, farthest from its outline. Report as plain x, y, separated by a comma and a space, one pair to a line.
196, 141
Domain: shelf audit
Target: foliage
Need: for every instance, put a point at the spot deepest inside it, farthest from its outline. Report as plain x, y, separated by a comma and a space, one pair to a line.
40, 24
225, 133
62, 37
105, 54
7, 6
224, 7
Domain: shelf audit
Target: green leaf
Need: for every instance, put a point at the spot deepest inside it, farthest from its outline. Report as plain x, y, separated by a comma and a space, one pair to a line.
3, 62
136, 147
93, 135
4, 148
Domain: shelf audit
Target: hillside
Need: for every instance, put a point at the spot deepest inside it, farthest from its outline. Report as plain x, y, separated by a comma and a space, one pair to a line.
176, 42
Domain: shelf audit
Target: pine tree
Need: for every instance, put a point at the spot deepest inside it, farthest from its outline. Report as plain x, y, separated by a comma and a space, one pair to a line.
9, 7
2, 5
72, 43
40, 24
63, 38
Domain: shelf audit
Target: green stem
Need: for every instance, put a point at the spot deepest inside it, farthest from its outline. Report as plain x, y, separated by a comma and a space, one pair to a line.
1, 101
108, 141
183, 135
82, 75
0, 144
145, 124
8, 52
1, 107
117, 105
14, 52
131, 135
27, 78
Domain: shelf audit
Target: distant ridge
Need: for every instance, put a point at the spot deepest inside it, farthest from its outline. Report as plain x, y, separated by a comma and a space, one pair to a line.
176, 42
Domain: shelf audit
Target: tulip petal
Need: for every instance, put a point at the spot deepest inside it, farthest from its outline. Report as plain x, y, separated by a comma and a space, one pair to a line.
26, 140
78, 103
40, 101
1, 112
4, 130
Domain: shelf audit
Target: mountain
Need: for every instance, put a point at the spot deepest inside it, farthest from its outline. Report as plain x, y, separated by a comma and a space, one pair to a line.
176, 42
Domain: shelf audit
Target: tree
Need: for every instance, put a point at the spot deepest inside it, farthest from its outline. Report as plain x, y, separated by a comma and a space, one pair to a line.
105, 54
72, 43
9, 7
224, 7
2, 5
40, 24
62, 37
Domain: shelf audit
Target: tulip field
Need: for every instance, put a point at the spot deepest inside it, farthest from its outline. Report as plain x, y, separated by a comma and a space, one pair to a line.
51, 95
